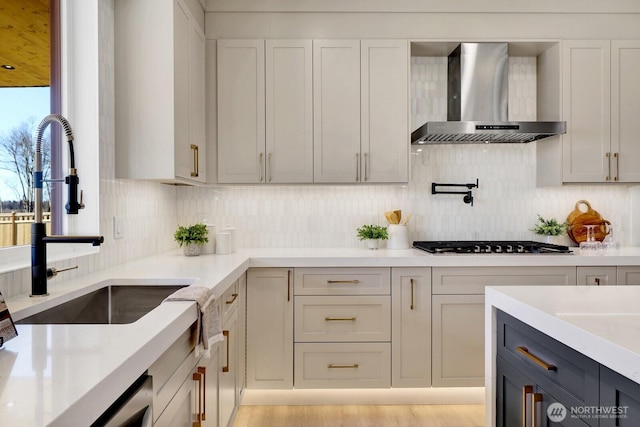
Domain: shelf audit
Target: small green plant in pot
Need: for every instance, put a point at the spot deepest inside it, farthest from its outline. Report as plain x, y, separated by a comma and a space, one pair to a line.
372, 234
549, 227
191, 238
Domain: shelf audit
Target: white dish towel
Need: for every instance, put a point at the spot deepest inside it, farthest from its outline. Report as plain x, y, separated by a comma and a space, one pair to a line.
209, 328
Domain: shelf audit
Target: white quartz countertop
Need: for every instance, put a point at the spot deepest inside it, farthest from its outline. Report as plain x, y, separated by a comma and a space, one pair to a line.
601, 322
63, 375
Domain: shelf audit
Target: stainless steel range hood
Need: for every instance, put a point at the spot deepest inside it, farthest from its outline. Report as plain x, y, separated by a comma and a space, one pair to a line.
477, 102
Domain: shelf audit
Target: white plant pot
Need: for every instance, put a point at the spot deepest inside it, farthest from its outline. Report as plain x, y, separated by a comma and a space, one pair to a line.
373, 243
191, 249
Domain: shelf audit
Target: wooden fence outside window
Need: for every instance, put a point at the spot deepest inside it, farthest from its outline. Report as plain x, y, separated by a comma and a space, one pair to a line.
15, 227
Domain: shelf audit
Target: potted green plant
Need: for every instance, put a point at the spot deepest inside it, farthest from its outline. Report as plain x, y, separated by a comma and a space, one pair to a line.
372, 234
549, 228
191, 238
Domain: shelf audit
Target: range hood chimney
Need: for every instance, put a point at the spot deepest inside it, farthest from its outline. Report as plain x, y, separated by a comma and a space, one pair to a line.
477, 102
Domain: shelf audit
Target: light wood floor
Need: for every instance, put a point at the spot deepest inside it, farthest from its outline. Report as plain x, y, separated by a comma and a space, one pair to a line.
361, 416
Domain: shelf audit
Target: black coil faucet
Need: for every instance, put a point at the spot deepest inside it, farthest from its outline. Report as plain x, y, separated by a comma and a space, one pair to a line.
39, 238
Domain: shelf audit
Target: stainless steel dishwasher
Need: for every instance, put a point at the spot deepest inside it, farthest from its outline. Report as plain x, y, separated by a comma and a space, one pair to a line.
132, 409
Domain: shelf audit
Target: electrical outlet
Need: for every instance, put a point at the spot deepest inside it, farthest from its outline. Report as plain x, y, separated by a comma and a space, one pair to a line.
118, 228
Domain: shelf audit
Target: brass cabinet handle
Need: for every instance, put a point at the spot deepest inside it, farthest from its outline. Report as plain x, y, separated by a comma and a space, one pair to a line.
198, 377
357, 167
617, 157
608, 177
527, 389
288, 285
366, 160
269, 171
195, 171
203, 370
233, 298
225, 368
411, 281
597, 281
335, 366
535, 398
260, 157
339, 319
536, 359
354, 281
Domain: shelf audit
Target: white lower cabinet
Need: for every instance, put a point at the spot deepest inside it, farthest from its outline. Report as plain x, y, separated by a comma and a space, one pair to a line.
203, 391
411, 327
458, 315
458, 340
173, 386
342, 328
207, 402
227, 380
180, 410
600, 276
628, 275
269, 328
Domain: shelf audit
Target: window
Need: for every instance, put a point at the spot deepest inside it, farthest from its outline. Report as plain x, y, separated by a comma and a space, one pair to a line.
30, 88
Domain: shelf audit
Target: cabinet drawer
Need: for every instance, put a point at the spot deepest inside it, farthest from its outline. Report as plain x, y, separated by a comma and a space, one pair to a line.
229, 301
472, 280
342, 365
342, 281
566, 373
349, 318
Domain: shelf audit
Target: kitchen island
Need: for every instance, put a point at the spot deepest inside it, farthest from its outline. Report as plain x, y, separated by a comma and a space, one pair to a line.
595, 329
71, 373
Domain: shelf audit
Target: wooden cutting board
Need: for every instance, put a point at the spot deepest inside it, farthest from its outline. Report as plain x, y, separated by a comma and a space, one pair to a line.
578, 218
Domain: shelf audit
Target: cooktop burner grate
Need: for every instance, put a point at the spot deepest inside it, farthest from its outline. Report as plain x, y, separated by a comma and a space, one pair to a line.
490, 247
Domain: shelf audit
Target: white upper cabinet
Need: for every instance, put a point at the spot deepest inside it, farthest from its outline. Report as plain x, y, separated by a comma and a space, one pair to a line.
385, 115
327, 111
336, 112
361, 111
600, 106
241, 114
160, 90
625, 110
587, 110
258, 144
289, 124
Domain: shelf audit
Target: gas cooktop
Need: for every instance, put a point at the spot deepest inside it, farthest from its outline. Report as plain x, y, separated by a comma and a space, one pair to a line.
491, 247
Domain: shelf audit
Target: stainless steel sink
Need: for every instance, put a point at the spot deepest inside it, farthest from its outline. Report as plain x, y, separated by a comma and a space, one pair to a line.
113, 304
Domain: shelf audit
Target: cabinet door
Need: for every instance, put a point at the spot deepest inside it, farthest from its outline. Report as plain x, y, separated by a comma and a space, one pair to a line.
411, 327
513, 393
269, 328
628, 275
241, 379
625, 110
182, 409
289, 110
458, 340
197, 91
227, 374
208, 368
336, 111
622, 394
181, 89
598, 276
241, 115
586, 95
384, 116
